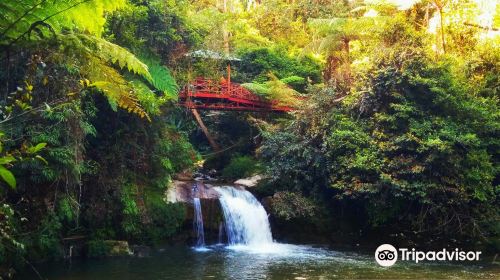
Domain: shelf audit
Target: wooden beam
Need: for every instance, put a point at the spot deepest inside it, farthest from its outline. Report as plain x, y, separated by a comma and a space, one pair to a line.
210, 139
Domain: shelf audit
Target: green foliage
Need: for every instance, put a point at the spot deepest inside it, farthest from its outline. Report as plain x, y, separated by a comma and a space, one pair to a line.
97, 248
8, 177
174, 152
240, 167
113, 53
10, 247
86, 167
9, 157
21, 17
131, 220
290, 205
65, 210
147, 98
257, 63
97, 51
412, 137
403, 132
275, 90
294, 81
166, 218
260, 89
162, 78
48, 241
155, 220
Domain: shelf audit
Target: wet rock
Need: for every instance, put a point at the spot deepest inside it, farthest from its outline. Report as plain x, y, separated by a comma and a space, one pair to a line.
109, 248
249, 182
198, 176
185, 175
213, 173
186, 191
118, 248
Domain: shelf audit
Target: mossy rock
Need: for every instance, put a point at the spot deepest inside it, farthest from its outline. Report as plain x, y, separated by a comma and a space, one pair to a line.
108, 248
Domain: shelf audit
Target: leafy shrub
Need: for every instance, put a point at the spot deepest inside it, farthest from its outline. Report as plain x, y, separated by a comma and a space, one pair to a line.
240, 167
97, 248
10, 247
65, 211
290, 205
258, 63
296, 82
166, 218
131, 217
48, 243
411, 148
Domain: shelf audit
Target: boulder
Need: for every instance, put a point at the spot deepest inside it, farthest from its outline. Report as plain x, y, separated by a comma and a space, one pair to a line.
185, 175
108, 248
186, 191
249, 182
117, 248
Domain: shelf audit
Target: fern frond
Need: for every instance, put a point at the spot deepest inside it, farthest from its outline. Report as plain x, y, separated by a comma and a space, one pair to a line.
274, 89
162, 79
113, 53
18, 16
330, 34
147, 98
119, 92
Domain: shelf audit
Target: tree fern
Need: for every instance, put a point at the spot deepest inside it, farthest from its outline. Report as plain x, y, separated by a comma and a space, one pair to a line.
113, 53
18, 17
275, 90
118, 91
330, 33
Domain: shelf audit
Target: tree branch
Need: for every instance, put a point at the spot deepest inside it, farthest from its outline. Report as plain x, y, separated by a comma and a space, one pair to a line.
480, 26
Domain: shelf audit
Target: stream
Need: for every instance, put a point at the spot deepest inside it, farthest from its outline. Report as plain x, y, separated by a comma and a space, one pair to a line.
220, 262
249, 252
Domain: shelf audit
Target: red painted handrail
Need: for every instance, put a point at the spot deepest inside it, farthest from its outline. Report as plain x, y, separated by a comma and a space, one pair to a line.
205, 94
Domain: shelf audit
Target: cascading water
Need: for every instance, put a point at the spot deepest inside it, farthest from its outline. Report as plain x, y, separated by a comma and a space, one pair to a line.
221, 232
198, 223
245, 218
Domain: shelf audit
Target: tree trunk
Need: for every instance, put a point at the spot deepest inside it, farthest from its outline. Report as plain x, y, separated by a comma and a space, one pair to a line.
347, 61
225, 33
443, 45
210, 139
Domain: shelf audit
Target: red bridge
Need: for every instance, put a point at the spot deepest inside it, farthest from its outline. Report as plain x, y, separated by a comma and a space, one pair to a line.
205, 94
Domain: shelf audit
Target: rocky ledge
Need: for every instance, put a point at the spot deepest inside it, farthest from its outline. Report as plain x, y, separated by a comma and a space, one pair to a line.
185, 191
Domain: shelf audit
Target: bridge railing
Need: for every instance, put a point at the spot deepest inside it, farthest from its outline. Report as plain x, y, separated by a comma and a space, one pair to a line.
212, 95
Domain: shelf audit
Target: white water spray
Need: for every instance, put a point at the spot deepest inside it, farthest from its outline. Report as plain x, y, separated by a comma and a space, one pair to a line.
245, 218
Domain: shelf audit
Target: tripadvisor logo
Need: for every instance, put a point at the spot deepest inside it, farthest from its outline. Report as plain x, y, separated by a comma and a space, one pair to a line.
387, 255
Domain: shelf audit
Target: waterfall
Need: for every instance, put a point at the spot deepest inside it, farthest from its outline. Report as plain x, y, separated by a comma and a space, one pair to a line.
245, 218
221, 233
198, 223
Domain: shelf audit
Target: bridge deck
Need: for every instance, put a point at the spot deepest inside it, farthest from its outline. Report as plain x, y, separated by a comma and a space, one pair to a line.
205, 94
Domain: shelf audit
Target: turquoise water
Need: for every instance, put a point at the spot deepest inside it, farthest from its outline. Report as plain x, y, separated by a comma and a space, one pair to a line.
239, 262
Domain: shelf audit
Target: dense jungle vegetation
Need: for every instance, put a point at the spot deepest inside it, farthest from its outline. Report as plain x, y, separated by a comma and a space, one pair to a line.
397, 127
